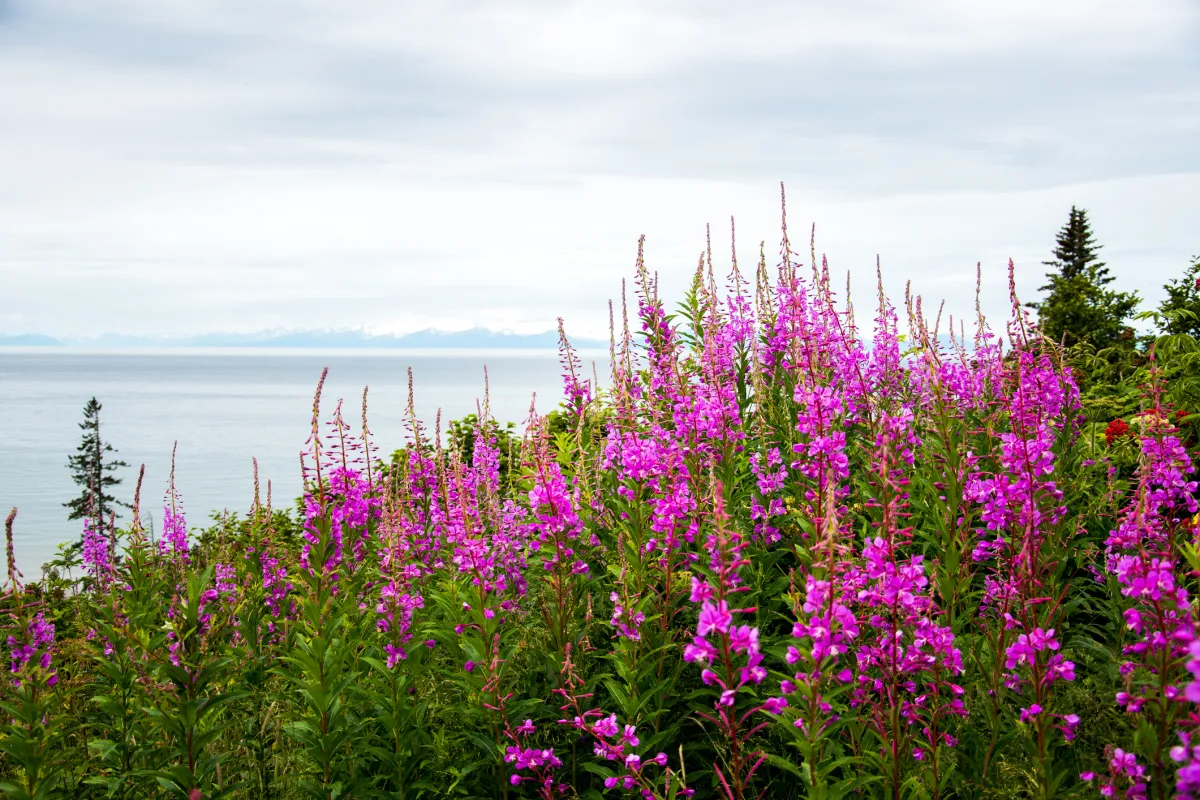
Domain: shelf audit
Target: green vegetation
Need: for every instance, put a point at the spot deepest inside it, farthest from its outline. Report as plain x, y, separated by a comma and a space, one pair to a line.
776, 556
1078, 308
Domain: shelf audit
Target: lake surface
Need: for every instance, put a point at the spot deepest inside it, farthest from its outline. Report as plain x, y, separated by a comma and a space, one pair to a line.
223, 408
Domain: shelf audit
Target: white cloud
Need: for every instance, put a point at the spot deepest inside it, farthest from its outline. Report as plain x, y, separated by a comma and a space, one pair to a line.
184, 166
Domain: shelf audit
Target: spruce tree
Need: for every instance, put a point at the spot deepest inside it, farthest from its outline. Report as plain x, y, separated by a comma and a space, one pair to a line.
93, 473
1180, 310
1078, 308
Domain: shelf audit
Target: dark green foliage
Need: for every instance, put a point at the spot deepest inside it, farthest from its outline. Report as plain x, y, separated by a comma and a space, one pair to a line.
182, 716
1180, 311
462, 435
319, 672
285, 526
1079, 309
1115, 381
92, 469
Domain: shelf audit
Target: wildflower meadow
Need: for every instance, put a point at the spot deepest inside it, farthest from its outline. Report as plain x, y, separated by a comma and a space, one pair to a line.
792, 544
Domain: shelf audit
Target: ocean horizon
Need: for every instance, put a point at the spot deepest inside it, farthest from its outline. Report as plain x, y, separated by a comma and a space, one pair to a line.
224, 407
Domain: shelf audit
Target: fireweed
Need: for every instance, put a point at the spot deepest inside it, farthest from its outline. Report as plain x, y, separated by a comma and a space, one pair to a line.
1143, 558
907, 663
774, 554
729, 656
32, 736
1022, 542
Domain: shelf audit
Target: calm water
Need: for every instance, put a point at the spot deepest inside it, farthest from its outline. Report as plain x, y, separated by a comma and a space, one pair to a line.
223, 407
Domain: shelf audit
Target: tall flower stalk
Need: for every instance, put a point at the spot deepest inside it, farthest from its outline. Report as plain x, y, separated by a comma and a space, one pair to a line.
1143, 557
729, 656
32, 734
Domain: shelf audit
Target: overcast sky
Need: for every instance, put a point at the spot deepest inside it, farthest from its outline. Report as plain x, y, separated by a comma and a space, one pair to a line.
180, 166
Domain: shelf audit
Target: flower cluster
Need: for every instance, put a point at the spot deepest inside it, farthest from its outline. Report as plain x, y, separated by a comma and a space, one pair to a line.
1126, 777
35, 647
97, 554
174, 531
1117, 429
1160, 673
395, 609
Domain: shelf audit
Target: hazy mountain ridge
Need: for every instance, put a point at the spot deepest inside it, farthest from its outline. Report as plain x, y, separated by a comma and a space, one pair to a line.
430, 338
28, 340
474, 338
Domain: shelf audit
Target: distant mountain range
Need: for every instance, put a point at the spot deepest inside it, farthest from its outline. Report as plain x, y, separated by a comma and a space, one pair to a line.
475, 338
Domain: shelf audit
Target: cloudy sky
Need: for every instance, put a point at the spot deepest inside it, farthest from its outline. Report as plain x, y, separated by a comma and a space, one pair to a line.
179, 166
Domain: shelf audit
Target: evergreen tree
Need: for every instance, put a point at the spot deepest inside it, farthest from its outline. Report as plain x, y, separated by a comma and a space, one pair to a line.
1079, 308
92, 472
1180, 311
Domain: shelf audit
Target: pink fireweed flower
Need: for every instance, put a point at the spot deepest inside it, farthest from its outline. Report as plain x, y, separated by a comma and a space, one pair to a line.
578, 391
770, 479
1126, 763
629, 737
554, 510
1023, 512
1187, 775
611, 742
351, 505
606, 727
1024, 650
701, 591
540, 762
35, 647
775, 705
714, 618
174, 532
652, 467
627, 620
276, 587
226, 579
91, 637
729, 653
1140, 556
1069, 723
395, 609
743, 639
904, 661
97, 554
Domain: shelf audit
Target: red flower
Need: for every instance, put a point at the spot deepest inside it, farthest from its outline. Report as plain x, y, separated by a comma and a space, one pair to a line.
1180, 415
1115, 430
